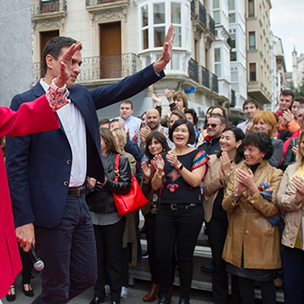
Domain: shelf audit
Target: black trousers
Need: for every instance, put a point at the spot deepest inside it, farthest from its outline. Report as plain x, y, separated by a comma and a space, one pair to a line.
293, 269
150, 222
182, 226
109, 258
217, 231
69, 254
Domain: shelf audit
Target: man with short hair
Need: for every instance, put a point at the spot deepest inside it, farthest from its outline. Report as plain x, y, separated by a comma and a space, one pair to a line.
153, 124
215, 127
250, 108
132, 123
47, 173
287, 121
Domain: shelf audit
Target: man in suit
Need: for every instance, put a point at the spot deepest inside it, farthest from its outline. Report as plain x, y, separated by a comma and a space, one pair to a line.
47, 172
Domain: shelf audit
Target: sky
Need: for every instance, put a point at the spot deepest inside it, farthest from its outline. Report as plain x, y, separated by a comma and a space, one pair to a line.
287, 23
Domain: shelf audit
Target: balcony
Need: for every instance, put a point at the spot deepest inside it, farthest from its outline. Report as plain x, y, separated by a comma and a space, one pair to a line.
95, 6
193, 70
49, 9
205, 77
214, 83
199, 15
95, 69
210, 33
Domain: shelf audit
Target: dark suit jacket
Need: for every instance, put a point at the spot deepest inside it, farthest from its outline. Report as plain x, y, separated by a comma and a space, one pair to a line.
39, 165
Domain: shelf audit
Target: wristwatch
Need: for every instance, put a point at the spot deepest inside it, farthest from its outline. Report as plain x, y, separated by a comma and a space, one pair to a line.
180, 167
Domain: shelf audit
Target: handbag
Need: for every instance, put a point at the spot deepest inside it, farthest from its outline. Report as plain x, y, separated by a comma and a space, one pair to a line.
133, 200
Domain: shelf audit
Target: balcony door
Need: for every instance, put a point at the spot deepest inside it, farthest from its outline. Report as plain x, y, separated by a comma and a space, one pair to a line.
45, 37
110, 50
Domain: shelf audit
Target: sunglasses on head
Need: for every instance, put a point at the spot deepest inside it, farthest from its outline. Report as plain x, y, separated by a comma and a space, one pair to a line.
212, 125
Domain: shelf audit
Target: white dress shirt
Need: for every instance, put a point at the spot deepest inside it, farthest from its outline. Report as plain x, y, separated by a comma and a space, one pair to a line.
74, 127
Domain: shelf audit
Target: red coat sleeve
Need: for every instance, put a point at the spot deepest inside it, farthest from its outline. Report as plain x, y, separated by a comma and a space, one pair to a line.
31, 117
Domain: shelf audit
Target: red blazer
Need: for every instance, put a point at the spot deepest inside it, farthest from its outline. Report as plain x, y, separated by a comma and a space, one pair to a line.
36, 116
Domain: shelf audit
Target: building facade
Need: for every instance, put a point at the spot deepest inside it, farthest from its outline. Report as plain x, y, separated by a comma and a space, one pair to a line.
258, 33
121, 36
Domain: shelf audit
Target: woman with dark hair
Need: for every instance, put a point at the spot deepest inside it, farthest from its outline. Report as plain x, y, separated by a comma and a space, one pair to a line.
290, 197
156, 143
215, 182
192, 117
252, 246
180, 213
174, 116
108, 225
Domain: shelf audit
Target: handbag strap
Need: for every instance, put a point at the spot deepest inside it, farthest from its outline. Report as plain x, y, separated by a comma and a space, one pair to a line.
116, 170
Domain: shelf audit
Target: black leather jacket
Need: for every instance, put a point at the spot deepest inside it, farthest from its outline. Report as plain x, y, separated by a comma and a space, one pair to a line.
100, 199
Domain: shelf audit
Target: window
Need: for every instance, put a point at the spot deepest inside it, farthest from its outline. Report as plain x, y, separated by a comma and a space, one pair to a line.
252, 41
251, 8
234, 75
217, 62
232, 18
231, 5
216, 17
233, 42
159, 24
177, 22
233, 56
252, 71
216, 4
216, 11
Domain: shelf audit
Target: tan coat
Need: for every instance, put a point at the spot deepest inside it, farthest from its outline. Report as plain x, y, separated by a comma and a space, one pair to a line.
286, 200
249, 228
212, 183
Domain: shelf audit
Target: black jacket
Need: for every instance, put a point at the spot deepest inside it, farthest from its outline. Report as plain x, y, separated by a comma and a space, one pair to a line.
100, 199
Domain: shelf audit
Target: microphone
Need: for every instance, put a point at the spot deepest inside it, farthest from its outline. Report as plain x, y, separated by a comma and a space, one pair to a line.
37, 262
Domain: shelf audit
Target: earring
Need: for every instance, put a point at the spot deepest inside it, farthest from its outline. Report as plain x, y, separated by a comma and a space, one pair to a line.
236, 146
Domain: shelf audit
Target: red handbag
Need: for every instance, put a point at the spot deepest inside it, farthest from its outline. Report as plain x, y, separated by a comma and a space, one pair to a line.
133, 200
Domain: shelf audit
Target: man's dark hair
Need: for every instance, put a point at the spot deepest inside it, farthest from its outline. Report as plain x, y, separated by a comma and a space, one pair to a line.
160, 138
104, 121
220, 117
260, 140
247, 101
300, 99
287, 93
179, 122
126, 102
193, 113
54, 47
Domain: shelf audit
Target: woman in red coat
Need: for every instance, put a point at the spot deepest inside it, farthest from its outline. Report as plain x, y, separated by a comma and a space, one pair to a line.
32, 117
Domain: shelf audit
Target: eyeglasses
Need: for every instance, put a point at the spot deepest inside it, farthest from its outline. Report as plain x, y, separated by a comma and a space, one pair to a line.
213, 126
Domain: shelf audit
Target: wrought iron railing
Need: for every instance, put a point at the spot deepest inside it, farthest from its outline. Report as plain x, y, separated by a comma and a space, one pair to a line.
202, 14
193, 70
211, 25
214, 83
233, 97
43, 7
193, 7
100, 67
94, 2
205, 77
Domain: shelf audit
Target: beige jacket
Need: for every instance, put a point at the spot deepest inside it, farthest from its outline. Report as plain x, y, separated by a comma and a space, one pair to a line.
212, 183
286, 200
249, 230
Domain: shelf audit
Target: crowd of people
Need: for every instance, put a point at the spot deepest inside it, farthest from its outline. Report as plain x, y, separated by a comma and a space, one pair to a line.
230, 177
